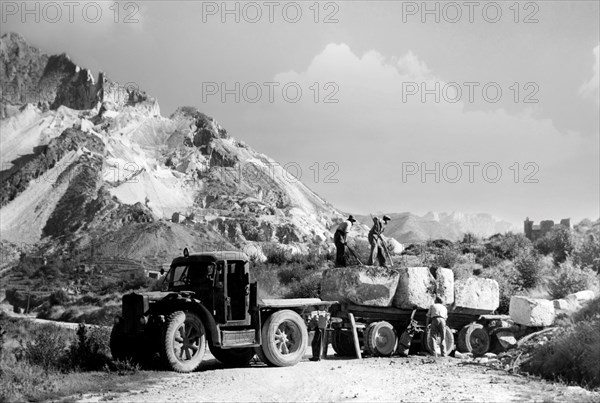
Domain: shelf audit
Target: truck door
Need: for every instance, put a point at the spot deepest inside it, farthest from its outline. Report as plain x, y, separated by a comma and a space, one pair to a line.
220, 304
238, 292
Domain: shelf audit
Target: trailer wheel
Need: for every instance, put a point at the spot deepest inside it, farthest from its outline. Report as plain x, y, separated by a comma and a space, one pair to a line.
184, 341
367, 346
233, 357
342, 344
428, 343
381, 339
473, 338
285, 338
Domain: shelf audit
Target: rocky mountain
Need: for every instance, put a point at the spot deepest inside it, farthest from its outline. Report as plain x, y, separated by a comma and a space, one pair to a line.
411, 228
91, 168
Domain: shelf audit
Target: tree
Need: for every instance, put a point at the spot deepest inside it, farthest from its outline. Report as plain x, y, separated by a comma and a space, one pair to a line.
558, 242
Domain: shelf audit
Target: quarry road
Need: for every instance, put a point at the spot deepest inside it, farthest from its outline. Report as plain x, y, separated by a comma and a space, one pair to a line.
413, 379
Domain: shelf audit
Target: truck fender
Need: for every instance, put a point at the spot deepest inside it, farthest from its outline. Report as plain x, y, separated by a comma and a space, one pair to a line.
194, 305
208, 320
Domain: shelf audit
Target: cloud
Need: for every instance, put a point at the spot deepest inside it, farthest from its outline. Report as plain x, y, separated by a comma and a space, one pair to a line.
375, 127
590, 88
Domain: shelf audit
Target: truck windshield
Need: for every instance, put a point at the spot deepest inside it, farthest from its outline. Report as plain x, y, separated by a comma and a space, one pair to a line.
192, 274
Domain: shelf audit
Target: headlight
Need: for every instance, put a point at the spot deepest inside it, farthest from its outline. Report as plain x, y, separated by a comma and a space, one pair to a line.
143, 320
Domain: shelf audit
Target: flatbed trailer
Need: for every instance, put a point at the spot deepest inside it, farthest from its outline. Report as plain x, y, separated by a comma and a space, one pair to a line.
379, 330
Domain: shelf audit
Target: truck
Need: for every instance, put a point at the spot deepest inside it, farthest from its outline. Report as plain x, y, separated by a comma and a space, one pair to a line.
211, 300
381, 329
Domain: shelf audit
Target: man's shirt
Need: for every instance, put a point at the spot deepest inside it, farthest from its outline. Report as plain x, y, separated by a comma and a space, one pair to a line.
437, 310
345, 227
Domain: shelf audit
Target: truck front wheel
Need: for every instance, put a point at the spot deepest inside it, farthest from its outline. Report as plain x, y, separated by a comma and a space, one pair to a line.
284, 338
184, 341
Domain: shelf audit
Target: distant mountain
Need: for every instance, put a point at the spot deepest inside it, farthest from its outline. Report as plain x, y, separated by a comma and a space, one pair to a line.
92, 168
411, 228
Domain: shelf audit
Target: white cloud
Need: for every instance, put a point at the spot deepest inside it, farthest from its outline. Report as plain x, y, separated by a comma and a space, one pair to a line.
590, 88
372, 130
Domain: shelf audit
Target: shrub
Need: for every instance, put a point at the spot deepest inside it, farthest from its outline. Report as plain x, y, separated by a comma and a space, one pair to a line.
569, 278
573, 355
489, 260
90, 352
508, 246
46, 348
558, 242
589, 311
308, 287
588, 254
508, 279
465, 270
445, 257
529, 268
58, 297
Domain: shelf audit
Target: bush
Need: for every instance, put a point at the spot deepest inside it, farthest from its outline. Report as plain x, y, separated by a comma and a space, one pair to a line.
573, 355
569, 278
445, 257
465, 270
308, 287
529, 267
508, 279
558, 242
47, 348
58, 297
508, 246
90, 352
588, 254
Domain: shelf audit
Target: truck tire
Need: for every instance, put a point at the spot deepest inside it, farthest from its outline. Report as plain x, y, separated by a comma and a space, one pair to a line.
261, 356
233, 357
342, 344
284, 338
473, 338
381, 339
427, 341
367, 347
184, 341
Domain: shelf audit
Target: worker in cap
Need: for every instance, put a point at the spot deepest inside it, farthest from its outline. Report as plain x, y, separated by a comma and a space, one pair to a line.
377, 245
340, 238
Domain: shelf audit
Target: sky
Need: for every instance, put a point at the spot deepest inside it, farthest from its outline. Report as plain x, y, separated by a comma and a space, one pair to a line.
378, 106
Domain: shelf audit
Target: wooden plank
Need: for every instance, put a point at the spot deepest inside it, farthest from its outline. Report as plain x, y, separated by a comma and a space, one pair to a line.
355, 336
294, 303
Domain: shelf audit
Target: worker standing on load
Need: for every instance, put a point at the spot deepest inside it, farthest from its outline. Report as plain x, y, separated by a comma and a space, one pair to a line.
437, 315
340, 238
376, 241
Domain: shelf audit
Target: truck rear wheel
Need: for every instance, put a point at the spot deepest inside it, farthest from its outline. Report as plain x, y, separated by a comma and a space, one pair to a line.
233, 357
473, 338
284, 338
184, 341
381, 339
342, 343
261, 356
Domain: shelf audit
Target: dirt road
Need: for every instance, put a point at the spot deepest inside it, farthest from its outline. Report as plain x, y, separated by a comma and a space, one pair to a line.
396, 379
